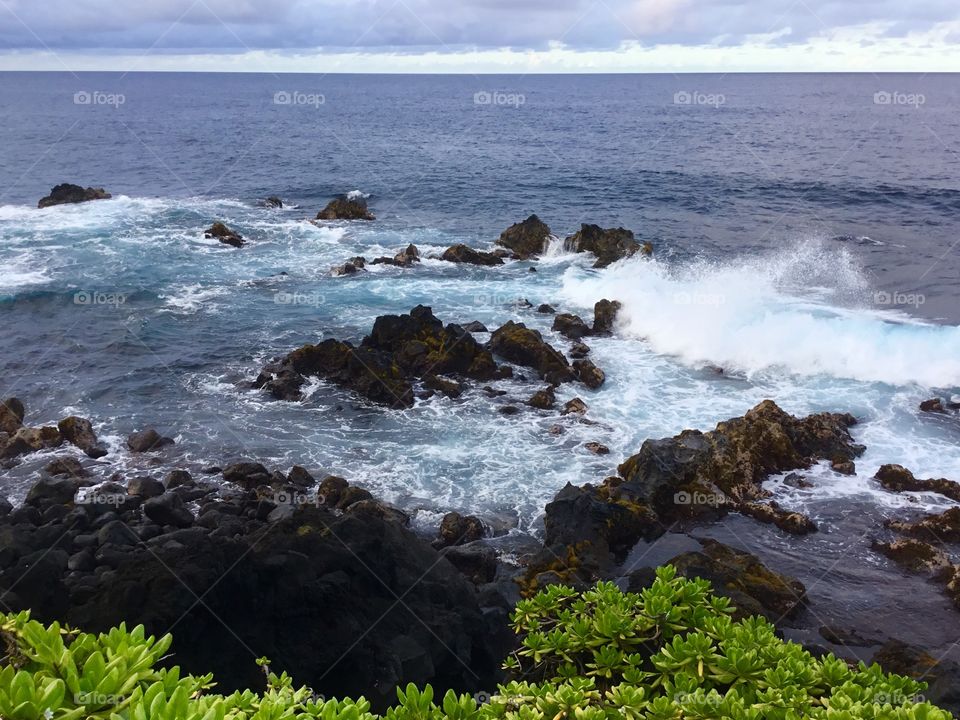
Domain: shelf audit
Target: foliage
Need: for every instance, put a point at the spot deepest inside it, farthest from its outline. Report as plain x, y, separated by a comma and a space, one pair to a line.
672, 651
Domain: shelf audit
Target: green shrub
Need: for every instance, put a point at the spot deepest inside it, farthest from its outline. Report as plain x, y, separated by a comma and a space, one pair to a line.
672, 651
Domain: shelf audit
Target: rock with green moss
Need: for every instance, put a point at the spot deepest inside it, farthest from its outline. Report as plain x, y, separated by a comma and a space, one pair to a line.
346, 208
525, 346
526, 239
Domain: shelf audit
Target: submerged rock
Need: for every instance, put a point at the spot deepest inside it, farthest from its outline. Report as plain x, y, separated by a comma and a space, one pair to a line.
221, 232
608, 245
944, 527
273, 202
526, 239
66, 193
521, 345
404, 258
464, 254
399, 350
346, 208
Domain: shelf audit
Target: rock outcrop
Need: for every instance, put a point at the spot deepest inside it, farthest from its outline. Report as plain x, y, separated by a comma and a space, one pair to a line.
524, 346
346, 208
465, 254
608, 245
526, 239
400, 350
221, 232
897, 478
66, 193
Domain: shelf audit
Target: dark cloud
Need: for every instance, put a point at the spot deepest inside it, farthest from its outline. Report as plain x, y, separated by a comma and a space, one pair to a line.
235, 25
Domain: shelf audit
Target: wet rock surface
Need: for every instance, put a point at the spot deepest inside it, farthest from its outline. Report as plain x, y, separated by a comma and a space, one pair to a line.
221, 232
526, 239
67, 193
345, 208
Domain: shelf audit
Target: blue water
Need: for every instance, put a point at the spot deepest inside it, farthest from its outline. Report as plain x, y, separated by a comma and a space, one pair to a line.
804, 241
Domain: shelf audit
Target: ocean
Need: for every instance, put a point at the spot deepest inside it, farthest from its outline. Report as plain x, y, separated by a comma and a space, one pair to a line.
805, 232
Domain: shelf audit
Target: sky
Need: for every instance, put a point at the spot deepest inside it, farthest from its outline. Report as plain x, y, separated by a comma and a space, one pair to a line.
481, 36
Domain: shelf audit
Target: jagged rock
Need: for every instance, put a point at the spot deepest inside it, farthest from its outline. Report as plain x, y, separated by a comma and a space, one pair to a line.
147, 440
66, 193
571, 326
844, 467
224, 234
898, 479
399, 349
945, 527
575, 407
345, 208
597, 448
546, 309
11, 415
521, 345
247, 474
351, 267
79, 432
589, 374
751, 585
475, 326
168, 509
543, 399
607, 245
527, 238
464, 254
27, 440
605, 316
457, 529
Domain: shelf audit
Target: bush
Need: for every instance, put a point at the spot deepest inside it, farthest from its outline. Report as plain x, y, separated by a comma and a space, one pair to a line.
672, 651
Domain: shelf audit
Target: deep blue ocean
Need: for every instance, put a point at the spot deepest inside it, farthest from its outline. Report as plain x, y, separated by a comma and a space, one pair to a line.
806, 232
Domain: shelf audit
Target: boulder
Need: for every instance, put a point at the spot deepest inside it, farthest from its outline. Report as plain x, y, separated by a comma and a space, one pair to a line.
579, 350
457, 529
526, 239
66, 193
11, 415
348, 268
608, 245
54, 491
543, 399
168, 509
740, 576
79, 432
597, 448
897, 478
546, 309
477, 562
475, 326
570, 326
605, 316
464, 254
574, 407
147, 440
444, 386
221, 232
589, 374
404, 258
177, 478
145, 487
249, 475
273, 202
67, 466
300, 477
346, 208
934, 405
521, 345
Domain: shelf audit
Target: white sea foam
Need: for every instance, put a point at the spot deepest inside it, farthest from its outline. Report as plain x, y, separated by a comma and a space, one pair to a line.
803, 310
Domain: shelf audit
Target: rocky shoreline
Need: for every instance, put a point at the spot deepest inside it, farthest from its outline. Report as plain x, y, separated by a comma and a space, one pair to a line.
325, 579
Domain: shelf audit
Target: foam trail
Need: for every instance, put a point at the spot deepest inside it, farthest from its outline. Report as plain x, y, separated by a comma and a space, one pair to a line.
801, 310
